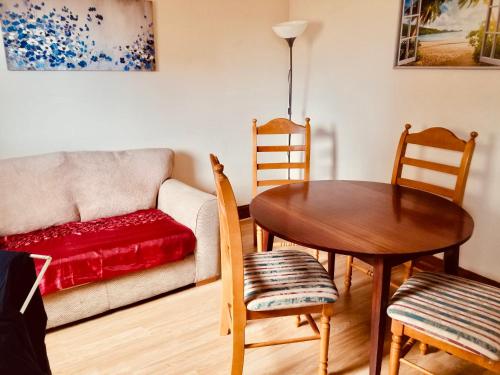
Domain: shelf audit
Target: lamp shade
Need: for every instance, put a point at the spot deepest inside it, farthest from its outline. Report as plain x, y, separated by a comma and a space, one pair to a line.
290, 29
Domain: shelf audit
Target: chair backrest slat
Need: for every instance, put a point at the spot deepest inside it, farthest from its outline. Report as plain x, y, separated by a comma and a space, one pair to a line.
262, 166
230, 231
277, 182
430, 188
438, 138
280, 126
438, 167
280, 148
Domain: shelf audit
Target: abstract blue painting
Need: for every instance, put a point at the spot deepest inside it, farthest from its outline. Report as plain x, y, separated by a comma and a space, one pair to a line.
78, 34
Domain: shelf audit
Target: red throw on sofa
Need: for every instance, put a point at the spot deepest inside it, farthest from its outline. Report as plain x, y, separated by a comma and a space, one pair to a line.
84, 252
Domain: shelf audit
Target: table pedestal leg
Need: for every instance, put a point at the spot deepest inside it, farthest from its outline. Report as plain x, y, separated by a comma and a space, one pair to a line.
451, 260
267, 240
331, 264
380, 299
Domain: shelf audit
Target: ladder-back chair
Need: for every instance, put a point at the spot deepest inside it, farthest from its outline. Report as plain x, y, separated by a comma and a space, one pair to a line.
267, 285
436, 137
280, 126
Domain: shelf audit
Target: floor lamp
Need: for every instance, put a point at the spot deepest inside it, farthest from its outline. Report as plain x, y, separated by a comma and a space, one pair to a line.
290, 31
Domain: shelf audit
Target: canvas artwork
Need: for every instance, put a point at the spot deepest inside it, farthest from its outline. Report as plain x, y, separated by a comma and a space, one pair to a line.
78, 34
449, 33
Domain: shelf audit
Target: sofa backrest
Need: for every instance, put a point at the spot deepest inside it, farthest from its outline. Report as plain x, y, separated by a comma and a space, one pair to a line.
40, 191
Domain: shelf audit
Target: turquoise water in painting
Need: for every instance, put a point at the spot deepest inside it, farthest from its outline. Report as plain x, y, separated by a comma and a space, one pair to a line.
454, 35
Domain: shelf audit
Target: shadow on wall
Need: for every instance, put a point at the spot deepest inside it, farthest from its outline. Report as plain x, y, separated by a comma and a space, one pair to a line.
311, 34
324, 150
484, 150
324, 144
485, 216
184, 168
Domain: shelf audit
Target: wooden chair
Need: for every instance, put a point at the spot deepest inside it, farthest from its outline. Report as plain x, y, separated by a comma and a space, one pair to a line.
451, 313
259, 286
280, 126
433, 137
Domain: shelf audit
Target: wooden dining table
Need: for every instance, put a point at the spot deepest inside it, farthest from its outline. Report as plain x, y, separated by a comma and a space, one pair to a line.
381, 224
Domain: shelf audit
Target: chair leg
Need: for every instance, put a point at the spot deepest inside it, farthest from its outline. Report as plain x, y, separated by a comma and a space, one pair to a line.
397, 337
407, 346
254, 232
238, 357
259, 239
348, 273
224, 319
298, 321
325, 341
423, 347
225, 316
408, 270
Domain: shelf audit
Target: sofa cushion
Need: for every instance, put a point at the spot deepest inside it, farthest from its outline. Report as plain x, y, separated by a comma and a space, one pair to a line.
115, 183
35, 193
84, 252
46, 190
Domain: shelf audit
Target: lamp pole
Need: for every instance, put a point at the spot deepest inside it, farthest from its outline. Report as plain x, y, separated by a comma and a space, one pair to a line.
290, 42
290, 31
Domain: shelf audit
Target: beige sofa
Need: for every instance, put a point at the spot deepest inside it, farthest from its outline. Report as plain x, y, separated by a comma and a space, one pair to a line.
41, 191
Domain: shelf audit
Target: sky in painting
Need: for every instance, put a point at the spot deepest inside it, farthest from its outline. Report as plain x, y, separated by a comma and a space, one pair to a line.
455, 18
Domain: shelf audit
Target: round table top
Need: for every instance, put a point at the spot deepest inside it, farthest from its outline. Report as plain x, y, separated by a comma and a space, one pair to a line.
359, 217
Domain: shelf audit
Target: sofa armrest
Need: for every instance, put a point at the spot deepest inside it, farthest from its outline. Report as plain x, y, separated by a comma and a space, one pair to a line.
198, 211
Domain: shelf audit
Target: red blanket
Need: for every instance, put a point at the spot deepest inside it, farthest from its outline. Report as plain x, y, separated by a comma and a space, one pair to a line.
104, 248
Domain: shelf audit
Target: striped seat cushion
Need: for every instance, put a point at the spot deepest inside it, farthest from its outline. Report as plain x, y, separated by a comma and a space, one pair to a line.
286, 279
461, 312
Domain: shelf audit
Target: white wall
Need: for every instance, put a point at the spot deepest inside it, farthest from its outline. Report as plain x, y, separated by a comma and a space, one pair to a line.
220, 65
358, 104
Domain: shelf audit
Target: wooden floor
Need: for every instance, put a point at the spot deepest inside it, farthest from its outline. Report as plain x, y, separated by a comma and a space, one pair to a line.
178, 334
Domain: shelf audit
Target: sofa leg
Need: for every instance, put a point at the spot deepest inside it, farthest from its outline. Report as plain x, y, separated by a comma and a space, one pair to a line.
207, 281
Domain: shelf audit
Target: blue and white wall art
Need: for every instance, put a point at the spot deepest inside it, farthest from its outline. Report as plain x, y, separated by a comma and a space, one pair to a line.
78, 34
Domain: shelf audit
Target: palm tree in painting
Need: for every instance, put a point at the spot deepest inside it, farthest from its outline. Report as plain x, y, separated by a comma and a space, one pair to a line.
463, 3
432, 9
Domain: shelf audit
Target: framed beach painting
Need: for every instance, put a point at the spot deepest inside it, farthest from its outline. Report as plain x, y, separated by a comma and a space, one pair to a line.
449, 33
78, 34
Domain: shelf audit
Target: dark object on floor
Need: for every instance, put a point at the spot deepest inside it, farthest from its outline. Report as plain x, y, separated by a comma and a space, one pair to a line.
22, 336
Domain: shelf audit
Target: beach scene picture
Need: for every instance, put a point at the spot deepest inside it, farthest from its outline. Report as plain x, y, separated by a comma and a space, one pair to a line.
449, 33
